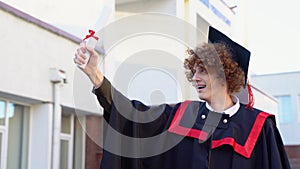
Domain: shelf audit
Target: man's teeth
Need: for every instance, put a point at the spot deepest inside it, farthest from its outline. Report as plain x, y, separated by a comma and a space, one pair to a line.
201, 87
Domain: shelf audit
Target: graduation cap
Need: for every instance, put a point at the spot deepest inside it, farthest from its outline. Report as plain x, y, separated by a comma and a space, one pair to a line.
239, 54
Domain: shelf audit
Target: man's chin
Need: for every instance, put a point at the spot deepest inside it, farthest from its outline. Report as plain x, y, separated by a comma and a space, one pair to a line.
202, 98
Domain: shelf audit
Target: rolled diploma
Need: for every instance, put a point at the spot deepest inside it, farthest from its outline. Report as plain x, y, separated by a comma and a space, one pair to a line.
91, 42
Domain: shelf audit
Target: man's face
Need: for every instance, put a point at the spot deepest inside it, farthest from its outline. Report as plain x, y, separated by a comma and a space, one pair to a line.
207, 85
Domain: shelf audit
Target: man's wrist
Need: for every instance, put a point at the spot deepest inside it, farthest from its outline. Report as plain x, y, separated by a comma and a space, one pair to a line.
97, 79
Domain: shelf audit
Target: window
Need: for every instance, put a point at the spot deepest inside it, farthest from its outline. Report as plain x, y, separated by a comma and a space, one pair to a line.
2, 133
2, 112
66, 141
0, 148
298, 108
72, 141
285, 109
17, 136
64, 156
79, 142
14, 128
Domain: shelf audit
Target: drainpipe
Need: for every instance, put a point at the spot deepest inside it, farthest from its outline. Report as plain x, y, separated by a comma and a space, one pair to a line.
58, 79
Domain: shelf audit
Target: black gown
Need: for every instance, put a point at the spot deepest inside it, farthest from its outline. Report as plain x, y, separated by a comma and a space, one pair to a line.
186, 136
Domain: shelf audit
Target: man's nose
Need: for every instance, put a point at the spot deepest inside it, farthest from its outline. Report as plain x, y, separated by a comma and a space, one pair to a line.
195, 77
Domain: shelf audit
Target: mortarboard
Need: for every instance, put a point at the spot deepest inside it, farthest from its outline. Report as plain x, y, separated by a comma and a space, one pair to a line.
239, 54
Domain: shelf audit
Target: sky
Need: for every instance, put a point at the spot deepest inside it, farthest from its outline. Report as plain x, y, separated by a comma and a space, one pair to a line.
273, 37
273, 27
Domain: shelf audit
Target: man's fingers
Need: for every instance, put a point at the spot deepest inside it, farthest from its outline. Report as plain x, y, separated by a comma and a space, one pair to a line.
80, 53
91, 50
79, 59
83, 49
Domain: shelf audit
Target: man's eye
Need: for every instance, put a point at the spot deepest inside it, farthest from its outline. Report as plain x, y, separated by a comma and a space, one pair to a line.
203, 71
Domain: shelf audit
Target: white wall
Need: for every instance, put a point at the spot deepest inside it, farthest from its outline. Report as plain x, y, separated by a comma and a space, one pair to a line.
207, 14
28, 53
40, 136
159, 6
75, 16
172, 84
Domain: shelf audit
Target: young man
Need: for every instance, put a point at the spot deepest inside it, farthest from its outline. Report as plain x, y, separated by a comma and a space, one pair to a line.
217, 132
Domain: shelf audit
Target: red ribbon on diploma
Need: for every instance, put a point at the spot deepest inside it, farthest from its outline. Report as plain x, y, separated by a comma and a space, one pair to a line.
91, 35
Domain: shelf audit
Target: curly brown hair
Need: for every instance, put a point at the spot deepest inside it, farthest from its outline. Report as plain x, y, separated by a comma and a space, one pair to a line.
215, 58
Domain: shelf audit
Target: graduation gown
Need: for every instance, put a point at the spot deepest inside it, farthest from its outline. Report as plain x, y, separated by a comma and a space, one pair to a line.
188, 135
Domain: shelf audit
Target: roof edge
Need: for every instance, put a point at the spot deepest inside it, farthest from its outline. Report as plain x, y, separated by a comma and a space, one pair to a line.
38, 22
51, 28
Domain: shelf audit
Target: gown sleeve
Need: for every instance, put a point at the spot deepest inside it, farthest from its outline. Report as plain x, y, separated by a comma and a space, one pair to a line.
276, 153
132, 117
104, 97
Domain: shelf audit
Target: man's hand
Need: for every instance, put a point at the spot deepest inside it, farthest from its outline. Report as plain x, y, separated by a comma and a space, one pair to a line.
91, 69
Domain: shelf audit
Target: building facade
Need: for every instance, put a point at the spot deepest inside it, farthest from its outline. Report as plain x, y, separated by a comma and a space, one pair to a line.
40, 125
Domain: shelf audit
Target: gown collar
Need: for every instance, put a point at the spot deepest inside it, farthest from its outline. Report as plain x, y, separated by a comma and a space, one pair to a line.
230, 111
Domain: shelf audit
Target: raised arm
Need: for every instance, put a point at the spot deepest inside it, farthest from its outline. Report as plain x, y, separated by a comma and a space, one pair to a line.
106, 94
123, 114
102, 87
